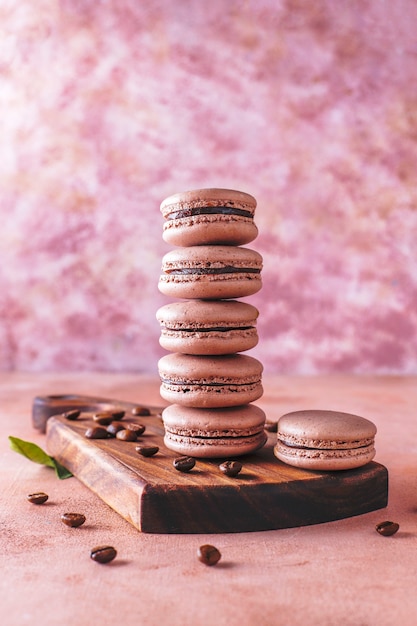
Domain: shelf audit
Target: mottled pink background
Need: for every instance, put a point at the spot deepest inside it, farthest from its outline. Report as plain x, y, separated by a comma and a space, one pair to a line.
108, 107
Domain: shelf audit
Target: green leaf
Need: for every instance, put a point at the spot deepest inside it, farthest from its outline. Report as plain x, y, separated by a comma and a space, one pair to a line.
61, 471
31, 451
34, 453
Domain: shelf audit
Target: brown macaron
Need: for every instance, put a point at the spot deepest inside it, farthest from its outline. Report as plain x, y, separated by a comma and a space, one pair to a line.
213, 433
208, 327
211, 272
210, 381
209, 216
325, 440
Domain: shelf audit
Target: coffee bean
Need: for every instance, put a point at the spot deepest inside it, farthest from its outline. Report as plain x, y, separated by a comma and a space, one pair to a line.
126, 435
97, 432
73, 519
271, 427
114, 428
118, 415
104, 419
147, 450
103, 554
184, 463
231, 468
37, 498
140, 410
209, 555
139, 429
72, 415
386, 529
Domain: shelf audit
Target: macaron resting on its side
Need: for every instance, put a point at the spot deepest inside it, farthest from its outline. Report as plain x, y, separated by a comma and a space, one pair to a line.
210, 381
325, 440
214, 433
208, 327
211, 272
209, 216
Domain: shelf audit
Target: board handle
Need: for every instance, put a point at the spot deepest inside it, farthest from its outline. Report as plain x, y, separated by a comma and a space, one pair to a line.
43, 407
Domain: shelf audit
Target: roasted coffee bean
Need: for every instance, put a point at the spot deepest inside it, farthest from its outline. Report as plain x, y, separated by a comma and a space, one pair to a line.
140, 410
271, 427
231, 468
114, 428
184, 463
119, 414
37, 498
209, 555
103, 554
97, 432
147, 450
386, 529
139, 429
73, 519
104, 419
72, 415
126, 435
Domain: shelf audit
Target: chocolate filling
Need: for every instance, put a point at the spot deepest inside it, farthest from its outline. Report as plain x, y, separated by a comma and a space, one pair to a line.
227, 269
336, 445
211, 384
209, 210
216, 435
213, 329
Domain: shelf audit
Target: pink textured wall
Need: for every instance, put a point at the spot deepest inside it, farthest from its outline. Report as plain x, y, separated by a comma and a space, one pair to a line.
108, 107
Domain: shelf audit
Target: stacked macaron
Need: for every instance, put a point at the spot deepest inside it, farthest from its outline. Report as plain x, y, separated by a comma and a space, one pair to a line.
209, 384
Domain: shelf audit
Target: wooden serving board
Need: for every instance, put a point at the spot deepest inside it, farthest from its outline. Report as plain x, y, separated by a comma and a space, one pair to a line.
156, 498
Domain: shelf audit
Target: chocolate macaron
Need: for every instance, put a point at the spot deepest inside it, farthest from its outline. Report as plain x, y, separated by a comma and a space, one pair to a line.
211, 272
209, 216
325, 440
214, 433
208, 327
210, 381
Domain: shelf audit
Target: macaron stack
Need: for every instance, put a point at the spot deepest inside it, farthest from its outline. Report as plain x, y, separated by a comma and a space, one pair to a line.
207, 380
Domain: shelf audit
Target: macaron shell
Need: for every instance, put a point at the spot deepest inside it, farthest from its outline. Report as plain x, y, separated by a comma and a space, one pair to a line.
231, 368
200, 313
208, 328
240, 421
212, 289
215, 447
325, 429
211, 228
213, 196
324, 460
209, 343
211, 272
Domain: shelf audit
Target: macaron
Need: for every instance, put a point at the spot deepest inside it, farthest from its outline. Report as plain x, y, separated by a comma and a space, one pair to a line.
221, 432
209, 216
211, 272
325, 440
208, 327
210, 381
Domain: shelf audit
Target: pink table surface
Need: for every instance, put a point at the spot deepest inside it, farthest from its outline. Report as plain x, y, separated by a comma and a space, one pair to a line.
341, 572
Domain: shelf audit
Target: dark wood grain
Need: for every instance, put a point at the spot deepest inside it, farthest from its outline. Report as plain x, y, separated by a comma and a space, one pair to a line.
152, 495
